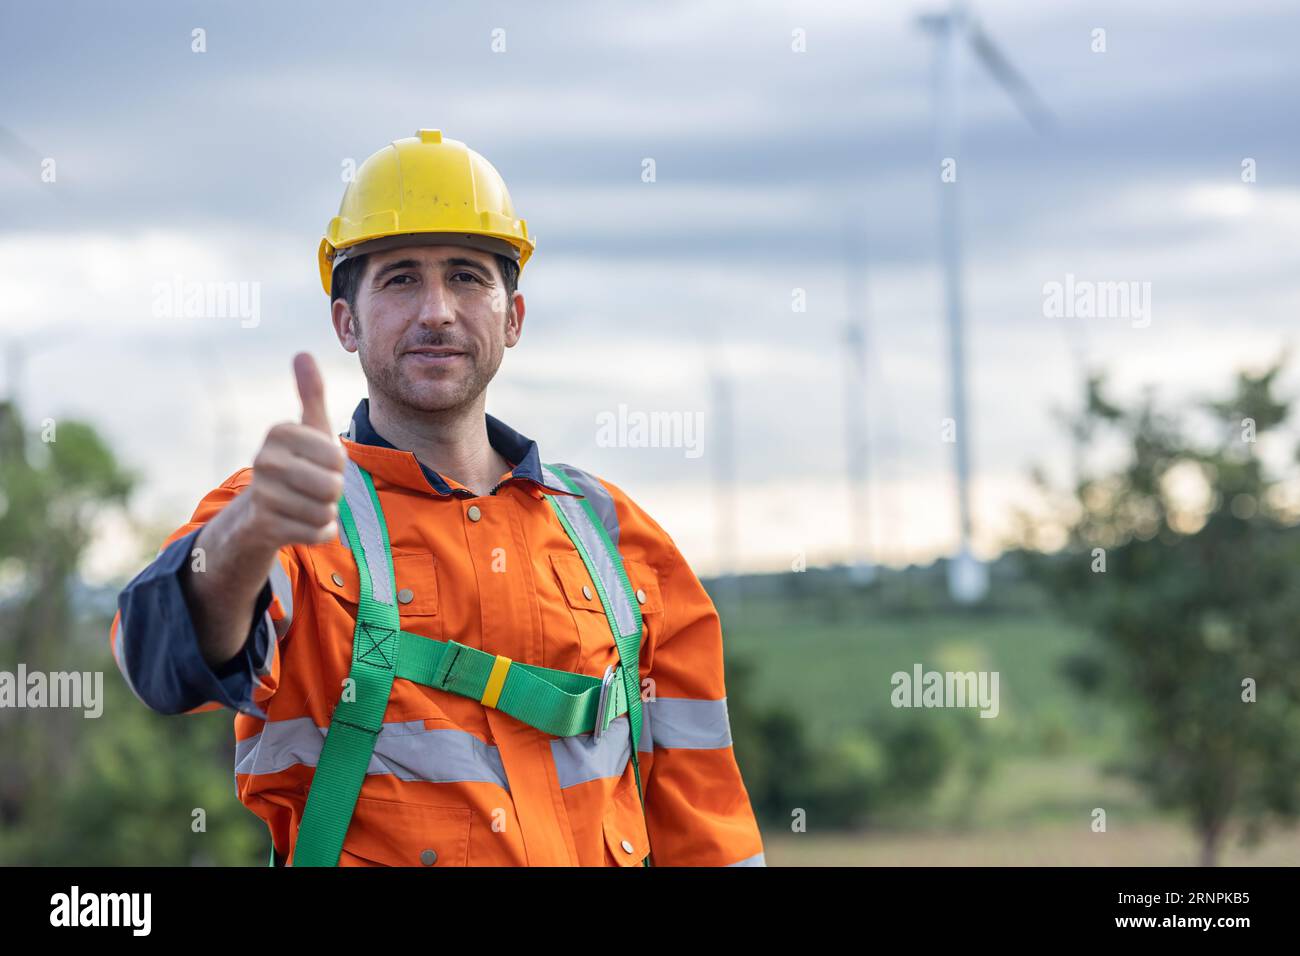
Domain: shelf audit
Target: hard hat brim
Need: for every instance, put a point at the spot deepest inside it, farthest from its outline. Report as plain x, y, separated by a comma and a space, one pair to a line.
331, 257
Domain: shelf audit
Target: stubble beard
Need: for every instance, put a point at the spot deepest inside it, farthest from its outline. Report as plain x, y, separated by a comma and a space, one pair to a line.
393, 379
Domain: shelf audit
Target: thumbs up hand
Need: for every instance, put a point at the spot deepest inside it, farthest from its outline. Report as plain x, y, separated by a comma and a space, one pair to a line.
311, 390
298, 473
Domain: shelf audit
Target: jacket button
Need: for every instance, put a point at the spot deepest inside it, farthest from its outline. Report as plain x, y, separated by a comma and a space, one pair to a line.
404, 596
428, 857
474, 513
640, 595
586, 592
337, 578
627, 847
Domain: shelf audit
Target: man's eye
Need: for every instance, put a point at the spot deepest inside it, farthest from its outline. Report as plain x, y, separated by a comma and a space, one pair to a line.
469, 274
396, 277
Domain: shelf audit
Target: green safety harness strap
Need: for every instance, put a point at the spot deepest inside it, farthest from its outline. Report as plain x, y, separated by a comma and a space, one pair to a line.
359, 715
556, 702
626, 639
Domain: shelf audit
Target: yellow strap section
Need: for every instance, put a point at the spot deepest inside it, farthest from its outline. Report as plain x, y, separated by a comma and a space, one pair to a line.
496, 680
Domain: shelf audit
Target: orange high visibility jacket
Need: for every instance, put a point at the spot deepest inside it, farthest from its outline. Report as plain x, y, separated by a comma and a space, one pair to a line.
453, 782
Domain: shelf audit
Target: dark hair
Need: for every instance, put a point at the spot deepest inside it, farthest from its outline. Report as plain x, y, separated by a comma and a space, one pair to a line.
347, 278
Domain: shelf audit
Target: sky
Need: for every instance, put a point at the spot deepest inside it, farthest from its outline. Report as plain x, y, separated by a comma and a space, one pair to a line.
796, 188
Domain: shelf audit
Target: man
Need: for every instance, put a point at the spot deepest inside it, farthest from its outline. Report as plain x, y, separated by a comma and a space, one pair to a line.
422, 626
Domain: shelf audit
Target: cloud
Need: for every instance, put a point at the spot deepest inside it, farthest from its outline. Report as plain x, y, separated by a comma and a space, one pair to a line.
776, 171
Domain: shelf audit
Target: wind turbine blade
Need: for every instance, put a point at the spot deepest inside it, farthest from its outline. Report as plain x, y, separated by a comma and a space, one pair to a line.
1017, 86
13, 147
25, 157
935, 23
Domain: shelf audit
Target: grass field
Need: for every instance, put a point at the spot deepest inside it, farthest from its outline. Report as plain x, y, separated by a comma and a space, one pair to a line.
832, 666
1152, 843
836, 673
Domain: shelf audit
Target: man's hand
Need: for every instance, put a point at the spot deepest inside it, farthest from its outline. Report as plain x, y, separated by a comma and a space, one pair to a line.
292, 499
297, 474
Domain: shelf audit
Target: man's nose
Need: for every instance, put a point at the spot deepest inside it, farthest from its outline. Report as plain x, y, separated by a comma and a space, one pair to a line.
436, 305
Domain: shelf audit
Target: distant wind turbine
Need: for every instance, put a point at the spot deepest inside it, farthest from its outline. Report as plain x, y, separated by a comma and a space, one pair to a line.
862, 568
953, 31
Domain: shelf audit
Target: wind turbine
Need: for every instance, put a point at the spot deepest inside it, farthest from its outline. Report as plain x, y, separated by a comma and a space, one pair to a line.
955, 30
862, 568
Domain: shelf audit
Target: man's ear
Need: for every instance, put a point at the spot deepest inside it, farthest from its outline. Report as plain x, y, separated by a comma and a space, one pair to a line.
515, 319
346, 326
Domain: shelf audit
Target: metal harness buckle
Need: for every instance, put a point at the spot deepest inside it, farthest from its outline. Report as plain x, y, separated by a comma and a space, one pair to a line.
602, 704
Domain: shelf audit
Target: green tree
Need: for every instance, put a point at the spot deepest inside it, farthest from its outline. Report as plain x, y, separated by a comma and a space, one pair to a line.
1184, 560
51, 488
850, 782
123, 788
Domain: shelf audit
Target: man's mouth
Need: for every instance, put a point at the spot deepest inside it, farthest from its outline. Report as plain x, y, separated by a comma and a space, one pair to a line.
435, 356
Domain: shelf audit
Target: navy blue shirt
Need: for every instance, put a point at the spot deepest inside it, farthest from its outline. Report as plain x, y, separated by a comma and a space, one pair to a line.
157, 645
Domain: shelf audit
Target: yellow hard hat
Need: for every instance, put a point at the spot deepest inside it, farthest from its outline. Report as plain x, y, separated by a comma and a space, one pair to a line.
424, 190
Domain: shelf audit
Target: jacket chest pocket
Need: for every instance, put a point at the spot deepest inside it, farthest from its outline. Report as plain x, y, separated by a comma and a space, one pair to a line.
595, 648
338, 593
586, 646
416, 584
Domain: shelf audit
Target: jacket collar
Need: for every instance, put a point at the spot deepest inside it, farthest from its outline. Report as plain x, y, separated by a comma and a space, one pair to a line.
379, 456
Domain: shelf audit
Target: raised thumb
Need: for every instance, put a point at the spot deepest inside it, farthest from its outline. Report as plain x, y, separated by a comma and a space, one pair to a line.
311, 390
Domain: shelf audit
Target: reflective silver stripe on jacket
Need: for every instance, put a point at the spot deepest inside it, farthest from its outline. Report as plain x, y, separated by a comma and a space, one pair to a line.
282, 589
755, 860
405, 749
372, 541
689, 724
598, 495
591, 540
666, 722
583, 758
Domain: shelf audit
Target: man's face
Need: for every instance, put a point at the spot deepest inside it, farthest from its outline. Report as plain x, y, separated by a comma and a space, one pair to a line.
431, 324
